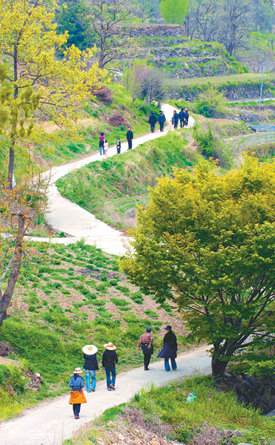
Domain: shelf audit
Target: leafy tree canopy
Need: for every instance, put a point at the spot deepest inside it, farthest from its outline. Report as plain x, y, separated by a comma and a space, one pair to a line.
206, 242
174, 11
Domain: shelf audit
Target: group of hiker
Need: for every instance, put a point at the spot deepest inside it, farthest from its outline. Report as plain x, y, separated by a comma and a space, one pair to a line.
109, 361
182, 117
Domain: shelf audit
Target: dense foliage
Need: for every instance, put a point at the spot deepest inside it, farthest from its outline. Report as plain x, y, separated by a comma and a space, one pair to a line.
206, 242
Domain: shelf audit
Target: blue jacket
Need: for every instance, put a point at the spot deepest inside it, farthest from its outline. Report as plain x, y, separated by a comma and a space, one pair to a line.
76, 382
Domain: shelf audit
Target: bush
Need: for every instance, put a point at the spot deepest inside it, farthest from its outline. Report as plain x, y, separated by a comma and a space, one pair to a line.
118, 120
210, 103
105, 95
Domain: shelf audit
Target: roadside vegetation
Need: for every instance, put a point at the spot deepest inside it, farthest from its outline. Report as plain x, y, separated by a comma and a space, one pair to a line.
68, 297
164, 415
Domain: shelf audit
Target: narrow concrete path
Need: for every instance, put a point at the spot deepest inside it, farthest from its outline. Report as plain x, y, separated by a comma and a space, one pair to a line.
52, 421
66, 216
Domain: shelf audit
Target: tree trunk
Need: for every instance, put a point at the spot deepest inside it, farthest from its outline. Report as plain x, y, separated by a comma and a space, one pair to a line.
11, 167
15, 95
218, 367
5, 299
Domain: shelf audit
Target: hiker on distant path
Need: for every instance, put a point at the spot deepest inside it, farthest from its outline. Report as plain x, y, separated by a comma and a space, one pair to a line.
186, 116
77, 397
101, 143
169, 350
106, 147
109, 360
90, 366
146, 344
182, 118
130, 136
118, 146
152, 121
161, 120
175, 119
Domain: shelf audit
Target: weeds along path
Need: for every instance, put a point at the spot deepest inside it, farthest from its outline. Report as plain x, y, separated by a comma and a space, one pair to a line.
52, 421
66, 216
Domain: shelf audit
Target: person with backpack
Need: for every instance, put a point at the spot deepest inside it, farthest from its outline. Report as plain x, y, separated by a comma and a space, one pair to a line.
152, 121
175, 119
77, 397
101, 143
129, 137
186, 117
90, 366
146, 344
161, 120
182, 118
169, 349
109, 360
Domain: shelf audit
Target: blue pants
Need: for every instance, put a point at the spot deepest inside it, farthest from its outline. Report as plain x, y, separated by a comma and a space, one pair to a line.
88, 373
101, 150
167, 366
76, 409
108, 376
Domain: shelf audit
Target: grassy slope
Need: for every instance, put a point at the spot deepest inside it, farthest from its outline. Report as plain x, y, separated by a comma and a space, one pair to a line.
112, 187
164, 414
223, 80
68, 297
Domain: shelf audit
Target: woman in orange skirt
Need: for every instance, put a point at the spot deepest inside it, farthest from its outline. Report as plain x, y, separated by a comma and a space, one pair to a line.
76, 384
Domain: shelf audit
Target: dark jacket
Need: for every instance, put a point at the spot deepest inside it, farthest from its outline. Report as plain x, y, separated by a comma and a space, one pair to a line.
90, 362
182, 115
170, 346
152, 119
129, 134
76, 382
109, 359
175, 118
161, 118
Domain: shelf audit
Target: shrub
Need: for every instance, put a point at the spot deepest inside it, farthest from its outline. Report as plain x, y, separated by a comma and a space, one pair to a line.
105, 95
210, 103
118, 120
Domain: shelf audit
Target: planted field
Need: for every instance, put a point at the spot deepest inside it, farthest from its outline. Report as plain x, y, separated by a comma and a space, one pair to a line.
69, 297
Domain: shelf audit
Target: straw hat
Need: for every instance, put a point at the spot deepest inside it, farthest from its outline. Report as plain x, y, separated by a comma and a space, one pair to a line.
110, 346
78, 371
89, 349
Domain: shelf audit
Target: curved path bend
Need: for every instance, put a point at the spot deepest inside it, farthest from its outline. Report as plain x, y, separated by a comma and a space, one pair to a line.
52, 421
77, 223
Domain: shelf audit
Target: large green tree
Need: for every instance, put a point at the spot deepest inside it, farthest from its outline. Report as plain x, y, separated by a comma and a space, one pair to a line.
206, 243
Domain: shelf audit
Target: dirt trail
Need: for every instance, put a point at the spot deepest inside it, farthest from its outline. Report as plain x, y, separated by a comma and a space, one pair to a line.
65, 216
52, 421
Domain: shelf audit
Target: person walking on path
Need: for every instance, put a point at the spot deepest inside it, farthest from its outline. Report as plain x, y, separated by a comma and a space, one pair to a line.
161, 120
90, 366
186, 117
182, 118
152, 121
101, 143
169, 350
130, 136
118, 146
146, 344
77, 397
109, 360
106, 147
175, 119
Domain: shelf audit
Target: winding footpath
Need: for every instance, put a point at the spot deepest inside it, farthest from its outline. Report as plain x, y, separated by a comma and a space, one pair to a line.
77, 223
52, 421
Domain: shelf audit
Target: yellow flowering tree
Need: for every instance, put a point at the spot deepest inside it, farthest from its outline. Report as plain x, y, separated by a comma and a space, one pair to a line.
38, 79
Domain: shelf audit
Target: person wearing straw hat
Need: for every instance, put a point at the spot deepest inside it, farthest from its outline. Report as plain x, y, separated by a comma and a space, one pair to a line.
109, 360
77, 397
90, 366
